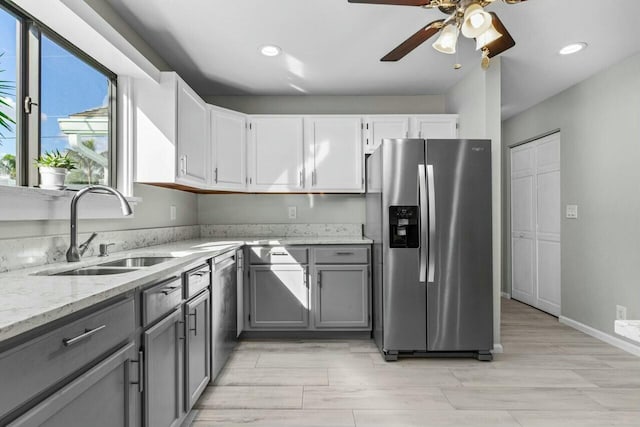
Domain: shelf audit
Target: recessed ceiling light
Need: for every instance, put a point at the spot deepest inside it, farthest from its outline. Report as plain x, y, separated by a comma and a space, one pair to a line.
572, 48
270, 50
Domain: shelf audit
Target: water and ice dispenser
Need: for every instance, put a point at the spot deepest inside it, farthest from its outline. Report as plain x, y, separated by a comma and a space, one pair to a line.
404, 226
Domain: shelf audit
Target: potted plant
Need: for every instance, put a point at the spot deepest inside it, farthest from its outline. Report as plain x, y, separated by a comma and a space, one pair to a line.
53, 167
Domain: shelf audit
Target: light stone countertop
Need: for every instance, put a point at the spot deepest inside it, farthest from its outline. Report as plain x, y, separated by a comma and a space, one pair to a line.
628, 329
29, 300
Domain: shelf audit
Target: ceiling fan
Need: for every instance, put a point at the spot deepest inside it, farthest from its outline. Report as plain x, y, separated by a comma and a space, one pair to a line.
466, 16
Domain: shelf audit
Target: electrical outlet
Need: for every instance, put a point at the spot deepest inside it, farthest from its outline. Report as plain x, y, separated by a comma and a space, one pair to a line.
572, 211
293, 212
621, 312
172, 212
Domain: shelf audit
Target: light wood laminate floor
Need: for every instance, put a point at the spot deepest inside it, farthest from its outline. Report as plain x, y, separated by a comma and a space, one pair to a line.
549, 375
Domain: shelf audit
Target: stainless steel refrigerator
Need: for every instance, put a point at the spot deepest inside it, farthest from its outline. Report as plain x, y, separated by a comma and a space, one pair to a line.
429, 216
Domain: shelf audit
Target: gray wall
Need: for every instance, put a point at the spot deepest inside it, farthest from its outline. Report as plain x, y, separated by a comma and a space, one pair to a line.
420, 104
599, 120
153, 211
273, 208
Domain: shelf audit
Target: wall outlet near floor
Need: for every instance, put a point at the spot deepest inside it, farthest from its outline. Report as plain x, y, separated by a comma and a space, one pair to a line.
621, 312
172, 212
572, 211
293, 212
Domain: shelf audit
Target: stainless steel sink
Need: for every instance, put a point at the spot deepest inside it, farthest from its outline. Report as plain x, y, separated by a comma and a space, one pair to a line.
136, 261
94, 271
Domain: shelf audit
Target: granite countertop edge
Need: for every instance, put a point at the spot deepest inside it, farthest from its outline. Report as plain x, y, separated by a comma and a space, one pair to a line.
29, 300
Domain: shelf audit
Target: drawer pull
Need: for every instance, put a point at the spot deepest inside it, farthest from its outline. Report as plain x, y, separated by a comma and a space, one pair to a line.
86, 334
200, 273
195, 321
279, 254
345, 253
169, 289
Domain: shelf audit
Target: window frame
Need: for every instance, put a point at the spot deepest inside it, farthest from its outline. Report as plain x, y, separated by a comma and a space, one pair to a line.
29, 76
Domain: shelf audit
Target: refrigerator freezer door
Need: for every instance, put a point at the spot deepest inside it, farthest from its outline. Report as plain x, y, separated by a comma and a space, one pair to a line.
403, 296
459, 301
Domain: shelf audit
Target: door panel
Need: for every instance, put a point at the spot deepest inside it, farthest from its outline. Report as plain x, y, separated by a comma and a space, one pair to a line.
549, 276
342, 298
192, 136
279, 296
228, 136
548, 209
460, 299
385, 127
523, 270
197, 360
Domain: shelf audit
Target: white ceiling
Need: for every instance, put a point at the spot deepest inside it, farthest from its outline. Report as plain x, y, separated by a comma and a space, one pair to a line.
332, 47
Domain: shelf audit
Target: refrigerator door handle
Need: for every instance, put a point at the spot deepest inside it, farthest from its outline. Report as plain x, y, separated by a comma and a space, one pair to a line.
422, 179
431, 270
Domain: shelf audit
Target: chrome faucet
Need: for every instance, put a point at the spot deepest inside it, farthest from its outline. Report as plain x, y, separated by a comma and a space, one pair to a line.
82, 247
73, 254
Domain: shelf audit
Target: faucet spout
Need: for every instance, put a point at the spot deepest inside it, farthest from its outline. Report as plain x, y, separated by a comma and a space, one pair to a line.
73, 254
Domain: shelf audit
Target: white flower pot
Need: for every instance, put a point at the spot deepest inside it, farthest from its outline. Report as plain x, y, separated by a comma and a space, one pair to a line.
52, 178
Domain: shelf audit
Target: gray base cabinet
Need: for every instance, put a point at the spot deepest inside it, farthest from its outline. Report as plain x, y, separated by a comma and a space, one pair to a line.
102, 397
279, 296
163, 366
197, 345
342, 296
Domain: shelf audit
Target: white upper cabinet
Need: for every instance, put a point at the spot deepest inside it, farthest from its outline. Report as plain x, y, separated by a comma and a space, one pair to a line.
333, 148
441, 126
193, 141
228, 133
276, 154
384, 127
170, 132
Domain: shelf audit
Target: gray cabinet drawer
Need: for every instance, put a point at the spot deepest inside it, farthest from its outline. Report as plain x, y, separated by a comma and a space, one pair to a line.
277, 255
40, 363
196, 279
161, 299
342, 255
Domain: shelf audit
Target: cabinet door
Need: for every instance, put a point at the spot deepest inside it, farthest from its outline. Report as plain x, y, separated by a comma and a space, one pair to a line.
334, 154
196, 361
385, 127
228, 149
279, 296
436, 126
240, 292
102, 397
163, 372
276, 155
342, 296
192, 127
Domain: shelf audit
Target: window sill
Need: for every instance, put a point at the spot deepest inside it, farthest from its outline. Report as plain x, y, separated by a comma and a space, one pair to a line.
28, 203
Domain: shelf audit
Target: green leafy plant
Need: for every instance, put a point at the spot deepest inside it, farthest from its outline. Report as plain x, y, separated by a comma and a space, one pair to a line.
6, 89
8, 164
55, 159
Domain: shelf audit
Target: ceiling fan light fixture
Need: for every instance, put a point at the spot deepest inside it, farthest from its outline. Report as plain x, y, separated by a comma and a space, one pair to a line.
448, 39
572, 48
476, 21
487, 37
270, 50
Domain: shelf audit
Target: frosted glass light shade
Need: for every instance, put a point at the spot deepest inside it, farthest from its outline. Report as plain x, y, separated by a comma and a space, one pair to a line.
487, 37
448, 39
476, 21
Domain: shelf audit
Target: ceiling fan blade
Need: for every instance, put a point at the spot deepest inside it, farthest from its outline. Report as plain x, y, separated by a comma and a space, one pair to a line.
414, 41
395, 2
505, 42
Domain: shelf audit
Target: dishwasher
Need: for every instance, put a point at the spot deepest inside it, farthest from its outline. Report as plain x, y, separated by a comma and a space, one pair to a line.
223, 310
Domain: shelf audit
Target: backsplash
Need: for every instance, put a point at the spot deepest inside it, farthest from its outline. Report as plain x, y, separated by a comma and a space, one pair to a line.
280, 230
34, 251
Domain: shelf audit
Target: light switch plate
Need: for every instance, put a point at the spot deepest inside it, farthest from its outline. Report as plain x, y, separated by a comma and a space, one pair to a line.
572, 211
293, 212
172, 212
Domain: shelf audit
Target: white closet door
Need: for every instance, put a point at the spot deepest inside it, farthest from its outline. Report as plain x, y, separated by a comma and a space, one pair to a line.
535, 223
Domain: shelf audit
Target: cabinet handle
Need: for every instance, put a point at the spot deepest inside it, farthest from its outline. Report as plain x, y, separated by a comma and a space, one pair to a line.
169, 289
180, 322
195, 321
314, 181
319, 280
301, 179
278, 254
344, 253
216, 172
140, 362
200, 273
86, 334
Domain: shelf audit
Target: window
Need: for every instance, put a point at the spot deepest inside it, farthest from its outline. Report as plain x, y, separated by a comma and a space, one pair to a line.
66, 103
9, 27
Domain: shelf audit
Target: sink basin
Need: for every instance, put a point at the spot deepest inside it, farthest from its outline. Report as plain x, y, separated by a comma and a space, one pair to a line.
136, 261
94, 271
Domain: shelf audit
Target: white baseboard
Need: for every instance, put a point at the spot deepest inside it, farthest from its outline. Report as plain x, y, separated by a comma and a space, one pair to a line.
497, 348
505, 295
602, 336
